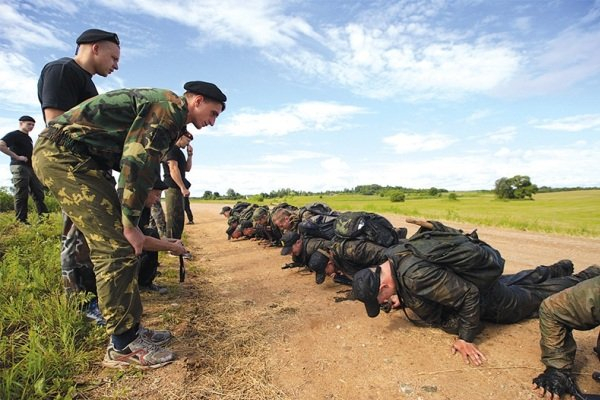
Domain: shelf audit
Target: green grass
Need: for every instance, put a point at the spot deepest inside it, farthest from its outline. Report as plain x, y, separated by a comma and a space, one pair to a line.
574, 213
44, 340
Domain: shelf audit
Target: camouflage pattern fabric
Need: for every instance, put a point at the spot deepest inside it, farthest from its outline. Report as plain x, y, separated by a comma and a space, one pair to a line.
87, 195
175, 212
24, 182
578, 308
350, 256
158, 219
309, 246
125, 130
77, 268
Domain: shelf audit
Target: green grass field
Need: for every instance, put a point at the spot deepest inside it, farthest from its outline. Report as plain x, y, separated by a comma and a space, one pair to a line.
574, 213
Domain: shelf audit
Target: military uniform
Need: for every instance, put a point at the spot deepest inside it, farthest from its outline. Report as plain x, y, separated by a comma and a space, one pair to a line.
350, 256
441, 297
309, 247
577, 307
128, 131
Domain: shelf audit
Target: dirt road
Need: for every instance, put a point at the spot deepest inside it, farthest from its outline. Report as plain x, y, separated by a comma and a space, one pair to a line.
246, 329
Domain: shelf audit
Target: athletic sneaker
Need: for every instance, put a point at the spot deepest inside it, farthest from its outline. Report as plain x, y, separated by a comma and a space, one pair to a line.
139, 354
155, 337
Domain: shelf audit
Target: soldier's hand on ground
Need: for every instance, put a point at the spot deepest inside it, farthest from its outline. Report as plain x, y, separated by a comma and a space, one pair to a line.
469, 352
136, 238
553, 384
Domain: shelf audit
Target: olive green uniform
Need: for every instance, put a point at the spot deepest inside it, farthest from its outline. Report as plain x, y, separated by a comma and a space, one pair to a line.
577, 307
124, 130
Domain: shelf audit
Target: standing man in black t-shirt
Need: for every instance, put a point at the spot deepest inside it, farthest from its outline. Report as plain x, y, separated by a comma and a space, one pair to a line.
66, 82
63, 84
175, 168
19, 146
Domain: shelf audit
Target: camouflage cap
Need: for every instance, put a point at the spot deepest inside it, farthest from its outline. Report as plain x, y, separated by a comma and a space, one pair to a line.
288, 239
365, 287
225, 209
259, 213
317, 263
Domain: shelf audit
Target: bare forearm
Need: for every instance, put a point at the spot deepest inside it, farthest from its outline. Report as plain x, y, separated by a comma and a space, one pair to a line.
154, 244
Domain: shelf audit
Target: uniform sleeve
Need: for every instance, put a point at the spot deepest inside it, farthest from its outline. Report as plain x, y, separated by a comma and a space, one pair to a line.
147, 141
577, 307
445, 288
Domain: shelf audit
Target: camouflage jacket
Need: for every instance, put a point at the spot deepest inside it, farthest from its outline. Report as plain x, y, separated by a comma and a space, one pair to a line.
350, 256
309, 246
128, 130
577, 307
436, 294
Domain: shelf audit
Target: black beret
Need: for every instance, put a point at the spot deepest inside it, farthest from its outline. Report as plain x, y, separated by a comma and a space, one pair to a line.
26, 118
97, 35
206, 89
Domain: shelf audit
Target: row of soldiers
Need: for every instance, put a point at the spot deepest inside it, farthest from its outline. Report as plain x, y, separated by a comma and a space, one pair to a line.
447, 278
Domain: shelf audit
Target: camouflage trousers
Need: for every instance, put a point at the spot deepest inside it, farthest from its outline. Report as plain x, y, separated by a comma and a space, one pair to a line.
577, 307
87, 195
175, 213
158, 219
25, 182
77, 268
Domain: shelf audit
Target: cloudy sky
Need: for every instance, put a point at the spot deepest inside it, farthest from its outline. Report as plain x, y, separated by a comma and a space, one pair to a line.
334, 94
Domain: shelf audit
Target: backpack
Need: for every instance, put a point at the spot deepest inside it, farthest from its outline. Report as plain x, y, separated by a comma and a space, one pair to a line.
239, 207
318, 226
365, 226
463, 253
313, 209
246, 213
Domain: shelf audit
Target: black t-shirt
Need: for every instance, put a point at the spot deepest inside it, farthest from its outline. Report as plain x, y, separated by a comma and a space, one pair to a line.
63, 84
175, 154
21, 144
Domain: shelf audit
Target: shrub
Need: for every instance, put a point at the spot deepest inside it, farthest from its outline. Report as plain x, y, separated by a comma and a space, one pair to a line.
397, 196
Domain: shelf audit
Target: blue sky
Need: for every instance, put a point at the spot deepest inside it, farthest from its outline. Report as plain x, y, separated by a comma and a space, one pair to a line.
334, 94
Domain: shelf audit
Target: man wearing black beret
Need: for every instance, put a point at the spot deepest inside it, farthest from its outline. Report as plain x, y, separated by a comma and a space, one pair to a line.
63, 84
127, 130
66, 82
18, 146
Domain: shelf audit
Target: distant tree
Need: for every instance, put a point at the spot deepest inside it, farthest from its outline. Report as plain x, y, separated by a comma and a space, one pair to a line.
231, 194
397, 196
208, 195
517, 187
452, 196
433, 191
216, 195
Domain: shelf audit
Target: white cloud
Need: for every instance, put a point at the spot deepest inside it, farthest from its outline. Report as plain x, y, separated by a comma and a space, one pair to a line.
502, 135
290, 157
21, 31
18, 81
574, 123
404, 143
307, 116
259, 23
